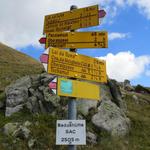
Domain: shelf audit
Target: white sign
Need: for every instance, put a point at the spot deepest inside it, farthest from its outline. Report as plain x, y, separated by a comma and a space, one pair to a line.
70, 132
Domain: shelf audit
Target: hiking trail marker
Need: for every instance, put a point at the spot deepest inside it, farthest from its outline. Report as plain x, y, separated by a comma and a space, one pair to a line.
53, 85
101, 13
42, 40
44, 59
65, 63
70, 64
71, 20
74, 88
76, 39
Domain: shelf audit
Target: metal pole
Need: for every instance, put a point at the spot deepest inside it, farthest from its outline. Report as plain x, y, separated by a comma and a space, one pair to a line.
72, 110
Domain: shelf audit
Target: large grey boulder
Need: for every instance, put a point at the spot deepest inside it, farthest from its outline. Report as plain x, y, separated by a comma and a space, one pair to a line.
116, 95
17, 95
83, 106
31, 92
111, 118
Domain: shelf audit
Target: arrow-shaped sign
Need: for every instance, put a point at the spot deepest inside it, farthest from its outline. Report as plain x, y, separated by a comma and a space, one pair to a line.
71, 20
64, 63
76, 39
101, 13
53, 85
44, 59
42, 40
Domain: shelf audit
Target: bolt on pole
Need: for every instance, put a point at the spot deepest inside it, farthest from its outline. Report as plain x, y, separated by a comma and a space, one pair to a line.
72, 109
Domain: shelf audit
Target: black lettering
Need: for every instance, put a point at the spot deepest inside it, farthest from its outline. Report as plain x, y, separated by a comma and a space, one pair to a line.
70, 131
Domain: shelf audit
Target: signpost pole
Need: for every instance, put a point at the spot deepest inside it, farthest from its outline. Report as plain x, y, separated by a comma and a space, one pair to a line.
72, 110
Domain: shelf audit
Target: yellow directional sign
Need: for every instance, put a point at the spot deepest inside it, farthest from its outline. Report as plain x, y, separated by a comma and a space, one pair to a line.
74, 19
78, 89
77, 39
65, 63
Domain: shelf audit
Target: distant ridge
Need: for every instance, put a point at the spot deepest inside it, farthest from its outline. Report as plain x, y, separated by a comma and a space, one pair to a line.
14, 64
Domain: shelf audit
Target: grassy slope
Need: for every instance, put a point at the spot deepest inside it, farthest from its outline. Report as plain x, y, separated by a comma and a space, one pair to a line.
14, 64
44, 132
139, 113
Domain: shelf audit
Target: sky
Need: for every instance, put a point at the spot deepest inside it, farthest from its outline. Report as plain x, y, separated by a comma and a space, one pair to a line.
127, 23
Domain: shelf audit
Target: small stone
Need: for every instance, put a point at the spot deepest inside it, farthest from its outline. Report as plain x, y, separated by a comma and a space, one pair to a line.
91, 138
22, 132
41, 88
135, 98
31, 90
9, 128
10, 110
27, 123
31, 143
37, 123
29, 106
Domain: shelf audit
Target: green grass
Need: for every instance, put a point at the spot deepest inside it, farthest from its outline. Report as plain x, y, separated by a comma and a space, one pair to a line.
43, 130
14, 64
140, 123
138, 138
2, 96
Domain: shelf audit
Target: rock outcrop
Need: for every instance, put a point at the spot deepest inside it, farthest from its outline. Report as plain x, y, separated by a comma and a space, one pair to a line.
127, 86
17, 130
33, 93
111, 118
116, 94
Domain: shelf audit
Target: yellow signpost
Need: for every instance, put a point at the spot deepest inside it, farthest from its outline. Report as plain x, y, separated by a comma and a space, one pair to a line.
74, 88
65, 63
70, 64
74, 19
77, 39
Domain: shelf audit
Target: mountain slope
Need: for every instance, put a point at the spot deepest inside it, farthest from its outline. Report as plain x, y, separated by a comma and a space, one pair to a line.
14, 64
